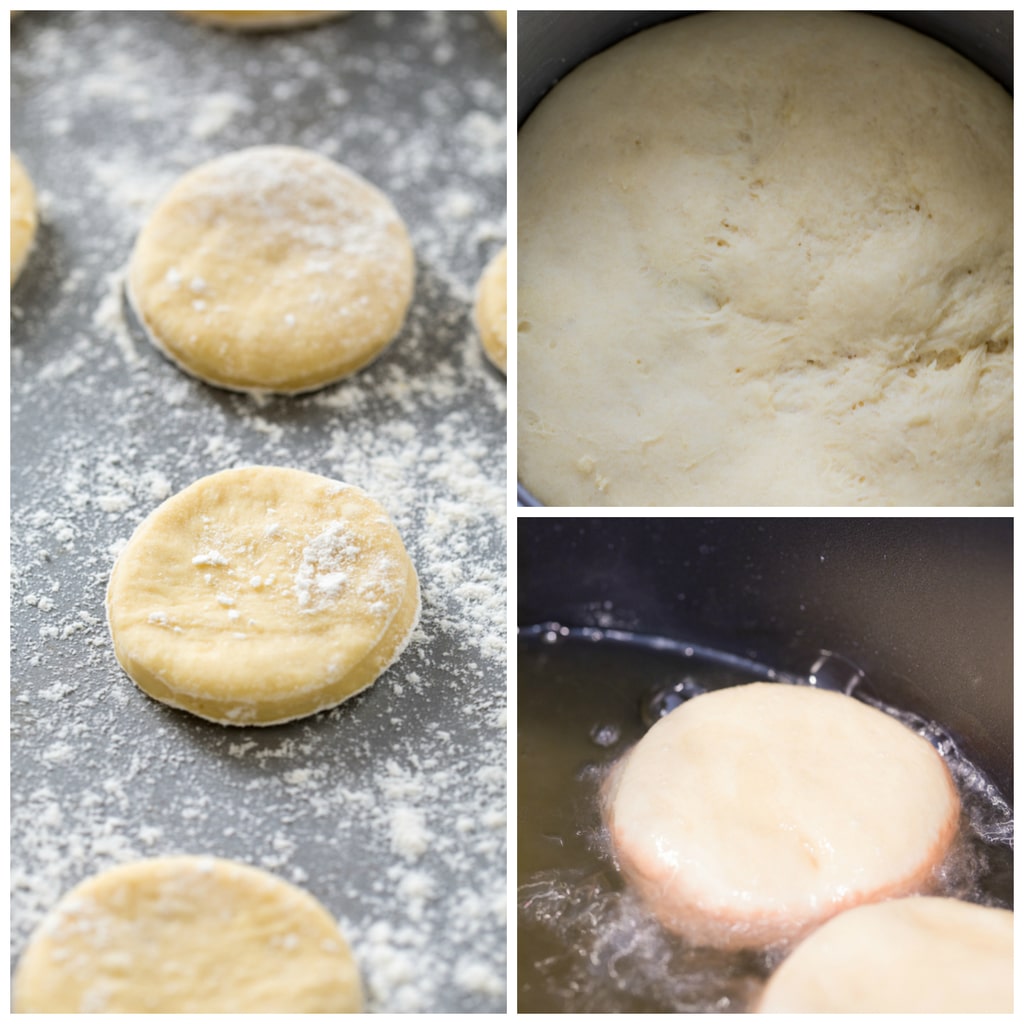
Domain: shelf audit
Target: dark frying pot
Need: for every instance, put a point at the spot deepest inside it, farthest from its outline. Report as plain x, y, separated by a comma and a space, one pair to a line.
923, 606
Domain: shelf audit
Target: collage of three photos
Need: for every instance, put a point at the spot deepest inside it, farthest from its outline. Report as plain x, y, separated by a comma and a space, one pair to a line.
316, 706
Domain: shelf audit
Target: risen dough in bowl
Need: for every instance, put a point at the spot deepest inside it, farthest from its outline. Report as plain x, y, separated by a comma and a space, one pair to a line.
767, 259
750, 815
916, 955
187, 935
260, 595
272, 269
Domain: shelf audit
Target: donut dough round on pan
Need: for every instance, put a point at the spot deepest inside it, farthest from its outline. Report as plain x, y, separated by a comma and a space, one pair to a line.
187, 935
260, 595
767, 259
260, 21
23, 216
491, 310
272, 269
752, 814
916, 955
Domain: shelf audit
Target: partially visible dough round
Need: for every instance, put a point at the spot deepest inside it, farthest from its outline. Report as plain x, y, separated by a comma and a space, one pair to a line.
752, 814
500, 19
257, 21
187, 935
272, 269
916, 955
260, 595
491, 310
23, 216
767, 259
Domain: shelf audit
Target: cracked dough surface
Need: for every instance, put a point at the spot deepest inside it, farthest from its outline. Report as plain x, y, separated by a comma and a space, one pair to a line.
917, 955
749, 815
23, 216
260, 595
262, 20
272, 269
767, 259
187, 935
491, 309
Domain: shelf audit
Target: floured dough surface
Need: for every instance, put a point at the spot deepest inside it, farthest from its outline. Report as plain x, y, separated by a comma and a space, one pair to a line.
187, 935
260, 595
272, 269
749, 815
767, 259
251, 21
916, 955
491, 310
23, 216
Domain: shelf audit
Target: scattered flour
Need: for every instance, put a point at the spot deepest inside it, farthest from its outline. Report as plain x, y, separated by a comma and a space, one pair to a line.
391, 808
214, 113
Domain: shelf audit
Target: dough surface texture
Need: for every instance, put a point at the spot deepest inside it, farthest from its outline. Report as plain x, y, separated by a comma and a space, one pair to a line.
187, 935
260, 595
258, 21
492, 308
23, 216
766, 259
272, 269
916, 955
752, 814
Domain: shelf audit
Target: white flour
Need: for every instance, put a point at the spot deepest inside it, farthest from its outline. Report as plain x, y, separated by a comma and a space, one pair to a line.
390, 809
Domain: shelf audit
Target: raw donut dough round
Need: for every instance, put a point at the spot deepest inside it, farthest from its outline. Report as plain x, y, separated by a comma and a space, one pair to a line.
23, 216
750, 815
500, 19
262, 20
272, 269
260, 595
916, 955
767, 259
187, 935
491, 310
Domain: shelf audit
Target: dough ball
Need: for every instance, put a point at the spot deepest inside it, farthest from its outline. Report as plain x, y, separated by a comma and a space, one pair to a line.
260, 21
500, 19
260, 595
23, 216
490, 311
750, 815
767, 259
272, 269
187, 935
916, 955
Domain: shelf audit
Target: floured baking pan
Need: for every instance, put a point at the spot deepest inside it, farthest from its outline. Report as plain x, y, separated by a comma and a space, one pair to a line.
390, 808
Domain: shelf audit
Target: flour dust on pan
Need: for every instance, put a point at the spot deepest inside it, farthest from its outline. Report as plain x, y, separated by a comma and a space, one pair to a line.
391, 808
586, 943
